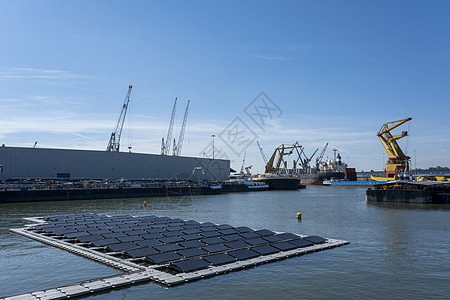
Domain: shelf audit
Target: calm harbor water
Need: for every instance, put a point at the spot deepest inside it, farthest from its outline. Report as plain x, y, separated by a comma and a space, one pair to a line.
395, 251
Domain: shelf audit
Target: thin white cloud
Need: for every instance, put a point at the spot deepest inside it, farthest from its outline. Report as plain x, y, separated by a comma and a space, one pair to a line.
31, 73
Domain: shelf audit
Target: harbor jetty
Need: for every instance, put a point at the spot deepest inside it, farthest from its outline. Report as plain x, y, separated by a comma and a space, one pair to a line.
422, 192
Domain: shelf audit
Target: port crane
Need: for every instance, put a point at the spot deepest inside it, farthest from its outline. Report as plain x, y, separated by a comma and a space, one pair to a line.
178, 146
319, 158
165, 145
274, 163
397, 161
114, 141
262, 153
304, 162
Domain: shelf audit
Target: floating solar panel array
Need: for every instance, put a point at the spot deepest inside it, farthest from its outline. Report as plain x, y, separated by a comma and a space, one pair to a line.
175, 250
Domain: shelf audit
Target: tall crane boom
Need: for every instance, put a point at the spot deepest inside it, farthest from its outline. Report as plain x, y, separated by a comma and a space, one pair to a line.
165, 146
274, 163
397, 160
114, 141
178, 146
319, 158
262, 153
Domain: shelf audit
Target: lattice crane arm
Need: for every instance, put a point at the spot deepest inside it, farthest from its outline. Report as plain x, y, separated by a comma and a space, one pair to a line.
177, 147
114, 141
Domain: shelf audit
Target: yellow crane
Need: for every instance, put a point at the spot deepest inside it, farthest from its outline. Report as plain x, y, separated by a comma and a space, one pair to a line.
397, 160
274, 163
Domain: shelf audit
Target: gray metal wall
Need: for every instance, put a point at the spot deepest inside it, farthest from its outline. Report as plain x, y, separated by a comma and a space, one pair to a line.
47, 163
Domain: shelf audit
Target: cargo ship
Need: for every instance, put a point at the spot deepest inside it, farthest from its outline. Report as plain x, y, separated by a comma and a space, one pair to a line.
279, 182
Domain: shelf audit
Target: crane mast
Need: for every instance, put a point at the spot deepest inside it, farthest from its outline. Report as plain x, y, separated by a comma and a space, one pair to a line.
114, 141
274, 163
397, 160
319, 158
262, 153
177, 147
165, 146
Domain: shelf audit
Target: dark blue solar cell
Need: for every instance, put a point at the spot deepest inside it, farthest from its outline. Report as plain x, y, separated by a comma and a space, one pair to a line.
265, 250
192, 252
288, 236
152, 236
315, 239
141, 252
206, 229
89, 238
207, 224
219, 259
264, 232
224, 226
301, 243
273, 238
189, 265
191, 231
129, 238
104, 242
171, 233
189, 237
75, 234
168, 247
227, 231
249, 235
213, 240
210, 234
98, 231
256, 241
137, 232
176, 228
122, 246
215, 248
112, 235
191, 244
283, 246
175, 224
243, 254
171, 239
231, 237
237, 244
163, 257
144, 243
242, 229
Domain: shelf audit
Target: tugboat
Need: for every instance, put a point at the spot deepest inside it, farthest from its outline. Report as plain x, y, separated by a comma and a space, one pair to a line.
276, 176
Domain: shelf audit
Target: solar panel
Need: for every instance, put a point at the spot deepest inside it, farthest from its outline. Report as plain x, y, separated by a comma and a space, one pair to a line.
315, 239
121, 246
89, 238
243, 254
209, 228
288, 236
256, 241
231, 237
301, 243
283, 246
190, 265
144, 243
191, 244
141, 252
192, 252
129, 238
191, 231
265, 249
219, 259
151, 236
163, 257
112, 235
264, 232
207, 224
227, 231
210, 234
215, 248
237, 244
104, 242
213, 240
224, 226
242, 229
189, 237
249, 235
177, 228
171, 239
168, 247
273, 238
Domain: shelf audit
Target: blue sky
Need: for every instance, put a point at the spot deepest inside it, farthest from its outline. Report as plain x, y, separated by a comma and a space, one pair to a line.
336, 71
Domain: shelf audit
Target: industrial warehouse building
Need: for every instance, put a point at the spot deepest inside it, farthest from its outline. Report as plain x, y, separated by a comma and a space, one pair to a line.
20, 163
